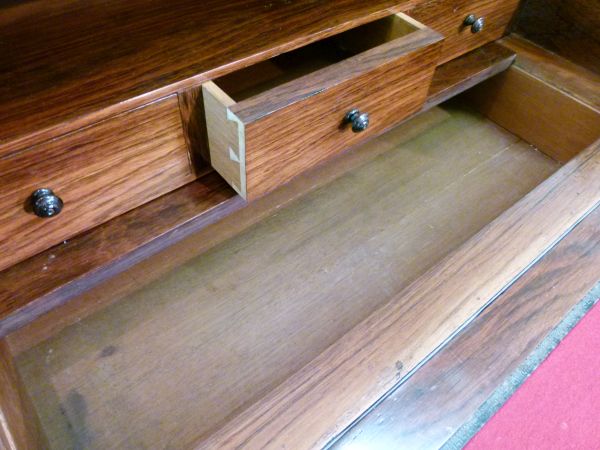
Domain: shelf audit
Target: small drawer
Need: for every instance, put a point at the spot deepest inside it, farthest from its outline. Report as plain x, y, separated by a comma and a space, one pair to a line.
270, 122
96, 173
448, 17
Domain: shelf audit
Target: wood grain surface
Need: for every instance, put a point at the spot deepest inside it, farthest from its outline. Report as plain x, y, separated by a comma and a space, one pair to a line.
19, 425
205, 239
67, 64
99, 173
559, 125
577, 81
570, 29
300, 278
464, 72
447, 16
306, 125
432, 404
39, 284
106, 250
330, 392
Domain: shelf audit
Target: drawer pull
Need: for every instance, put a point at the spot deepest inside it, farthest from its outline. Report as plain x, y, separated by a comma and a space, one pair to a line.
475, 23
359, 121
45, 203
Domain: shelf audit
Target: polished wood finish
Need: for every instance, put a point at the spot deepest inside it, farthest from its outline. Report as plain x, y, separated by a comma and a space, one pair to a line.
19, 425
538, 112
570, 29
577, 81
447, 16
425, 411
69, 64
263, 142
330, 392
39, 284
196, 344
99, 173
462, 73
80, 263
190, 247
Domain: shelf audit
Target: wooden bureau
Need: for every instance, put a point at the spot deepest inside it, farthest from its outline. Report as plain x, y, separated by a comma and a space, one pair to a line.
98, 172
243, 224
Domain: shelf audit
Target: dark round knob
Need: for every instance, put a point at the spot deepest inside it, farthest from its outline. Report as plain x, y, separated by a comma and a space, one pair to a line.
45, 203
359, 121
475, 23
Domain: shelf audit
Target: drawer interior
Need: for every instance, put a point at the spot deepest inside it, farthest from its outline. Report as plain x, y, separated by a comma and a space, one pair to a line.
245, 83
184, 350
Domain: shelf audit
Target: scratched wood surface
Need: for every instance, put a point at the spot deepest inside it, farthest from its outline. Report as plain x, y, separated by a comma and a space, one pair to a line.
216, 334
231, 223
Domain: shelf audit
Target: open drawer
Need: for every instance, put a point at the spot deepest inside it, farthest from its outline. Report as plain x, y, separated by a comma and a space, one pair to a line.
272, 121
280, 332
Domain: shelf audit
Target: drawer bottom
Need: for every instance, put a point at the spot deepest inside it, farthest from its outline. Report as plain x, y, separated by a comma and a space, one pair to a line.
180, 354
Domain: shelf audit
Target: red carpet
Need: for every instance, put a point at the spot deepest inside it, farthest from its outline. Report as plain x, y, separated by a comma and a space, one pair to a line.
558, 406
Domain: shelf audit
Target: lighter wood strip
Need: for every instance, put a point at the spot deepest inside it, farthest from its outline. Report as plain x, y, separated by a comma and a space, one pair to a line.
369, 360
226, 137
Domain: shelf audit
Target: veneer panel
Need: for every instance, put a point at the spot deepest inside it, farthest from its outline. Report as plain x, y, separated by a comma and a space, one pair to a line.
85, 61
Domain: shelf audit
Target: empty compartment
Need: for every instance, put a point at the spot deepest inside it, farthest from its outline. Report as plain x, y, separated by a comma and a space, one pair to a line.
195, 339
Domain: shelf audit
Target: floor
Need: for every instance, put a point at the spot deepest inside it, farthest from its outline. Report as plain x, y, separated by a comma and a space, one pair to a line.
558, 406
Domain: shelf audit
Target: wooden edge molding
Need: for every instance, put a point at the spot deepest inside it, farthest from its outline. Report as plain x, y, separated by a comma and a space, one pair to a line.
328, 394
460, 74
51, 278
20, 428
444, 393
575, 80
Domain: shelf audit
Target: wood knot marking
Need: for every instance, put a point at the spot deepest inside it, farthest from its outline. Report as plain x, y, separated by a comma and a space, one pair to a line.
108, 351
399, 367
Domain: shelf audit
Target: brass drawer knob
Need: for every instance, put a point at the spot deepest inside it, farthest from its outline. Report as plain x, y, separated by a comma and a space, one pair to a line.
475, 23
359, 121
45, 203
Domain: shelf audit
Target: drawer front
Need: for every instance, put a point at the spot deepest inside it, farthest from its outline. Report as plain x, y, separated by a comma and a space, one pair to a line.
447, 17
98, 173
265, 141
